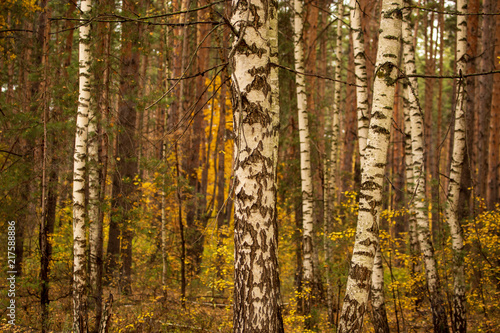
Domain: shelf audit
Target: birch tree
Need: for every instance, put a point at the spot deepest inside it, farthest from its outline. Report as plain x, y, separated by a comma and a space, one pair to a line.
457, 243
418, 206
361, 76
305, 156
377, 290
257, 305
80, 154
331, 160
375, 154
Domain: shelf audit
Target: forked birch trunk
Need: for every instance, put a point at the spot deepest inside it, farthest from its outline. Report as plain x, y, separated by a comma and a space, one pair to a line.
418, 207
305, 158
257, 304
459, 320
375, 155
82, 119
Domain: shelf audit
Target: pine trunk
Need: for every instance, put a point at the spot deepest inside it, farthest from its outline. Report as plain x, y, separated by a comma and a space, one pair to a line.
487, 64
494, 161
48, 202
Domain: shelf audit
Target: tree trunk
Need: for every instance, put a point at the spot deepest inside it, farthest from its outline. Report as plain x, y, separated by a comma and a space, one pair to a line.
419, 208
494, 161
98, 161
380, 323
181, 229
483, 106
410, 188
47, 199
375, 154
469, 175
331, 159
257, 303
457, 243
79, 176
305, 159
196, 204
125, 159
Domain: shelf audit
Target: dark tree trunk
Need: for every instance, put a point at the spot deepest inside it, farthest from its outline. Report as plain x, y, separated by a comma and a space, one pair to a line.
120, 232
487, 63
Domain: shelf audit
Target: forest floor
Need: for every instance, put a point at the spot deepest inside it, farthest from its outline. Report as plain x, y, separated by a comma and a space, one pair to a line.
145, 312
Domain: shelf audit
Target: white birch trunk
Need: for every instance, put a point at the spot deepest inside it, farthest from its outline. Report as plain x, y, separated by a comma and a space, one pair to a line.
257, 304
361, 77
375, 155
331, 160
377, 290
305, 152
79, 239
336, 108
412, 222
418, 208
459, 321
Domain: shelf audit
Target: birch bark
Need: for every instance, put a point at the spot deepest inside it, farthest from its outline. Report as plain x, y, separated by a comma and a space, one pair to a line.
418, 208
412, 222
331, 160
375, 154
257, 304
305, 157
361, 76
459, 321
377, 290
80, 154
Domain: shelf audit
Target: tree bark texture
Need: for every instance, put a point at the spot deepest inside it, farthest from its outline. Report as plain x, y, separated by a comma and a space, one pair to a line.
485, 93
305, 159
366, 242
48, 194
361, 76
98, 166
412, 221
494, 161
257, 304
377, 289
79, 176
331, 160
380, 323
418, 206
126, 159
459, 320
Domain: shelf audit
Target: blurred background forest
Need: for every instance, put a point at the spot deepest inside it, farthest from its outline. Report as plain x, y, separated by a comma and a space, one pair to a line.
161, 95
